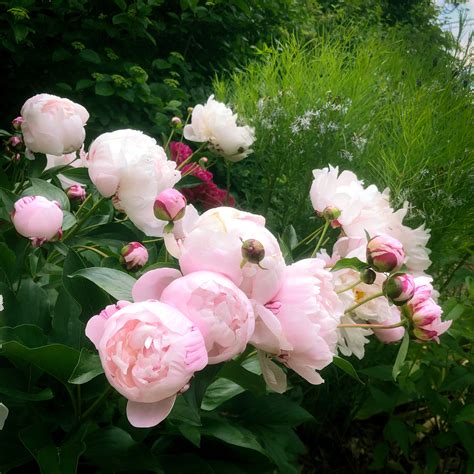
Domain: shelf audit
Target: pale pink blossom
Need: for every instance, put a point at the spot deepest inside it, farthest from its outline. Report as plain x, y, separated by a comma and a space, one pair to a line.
393, 334
149, 352
134, 256
215, 244
131, 166
220, 310
151, 284
53, 125
305, 311
37, 218
215, 123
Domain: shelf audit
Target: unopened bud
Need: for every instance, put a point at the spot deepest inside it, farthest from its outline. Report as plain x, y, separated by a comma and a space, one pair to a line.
176, 121
203, 161
399, 288
190, 110
331, 213
367, 276
16, 122
15, 141
76, 192
170, 205
385, 254
252, 251
133, 256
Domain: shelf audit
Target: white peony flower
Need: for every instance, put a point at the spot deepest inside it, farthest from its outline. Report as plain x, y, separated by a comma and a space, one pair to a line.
215, 123
130, 166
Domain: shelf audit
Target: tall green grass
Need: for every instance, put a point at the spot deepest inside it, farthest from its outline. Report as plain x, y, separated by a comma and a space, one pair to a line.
396, 112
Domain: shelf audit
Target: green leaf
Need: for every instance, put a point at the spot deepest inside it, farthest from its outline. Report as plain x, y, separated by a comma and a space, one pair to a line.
347, 367
188, 181
49, 191
33, 305
88, 367
7, 260
114, 282
466, 414
219, 392
191, 433
15, 387
237, 435
104, 89
90, 56
353, 263
231, 370
67, 327
401, 356
81, 175
397, 432
83, 84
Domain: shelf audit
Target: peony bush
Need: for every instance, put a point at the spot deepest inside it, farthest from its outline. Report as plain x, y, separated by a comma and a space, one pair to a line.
136, 287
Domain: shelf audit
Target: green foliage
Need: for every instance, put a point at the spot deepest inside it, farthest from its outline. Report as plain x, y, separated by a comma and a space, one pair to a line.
394, 109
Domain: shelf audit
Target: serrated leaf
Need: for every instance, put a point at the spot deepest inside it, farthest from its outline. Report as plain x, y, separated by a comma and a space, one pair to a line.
347, 367
116, 283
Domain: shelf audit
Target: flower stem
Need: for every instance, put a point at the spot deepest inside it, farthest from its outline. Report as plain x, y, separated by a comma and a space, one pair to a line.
349, 287
169, 139
93, 249
309, 237
189, 158
228, 164
321, 238
98, 402
376, 326
366, 300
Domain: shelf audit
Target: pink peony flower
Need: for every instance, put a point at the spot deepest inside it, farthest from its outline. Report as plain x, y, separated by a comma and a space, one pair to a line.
215, 244
390, 335
298, 326
170, 205
399, 288
180, 152
384, 253
37, 218
151, 284
52, 124
218, 308
133, 256
149, 352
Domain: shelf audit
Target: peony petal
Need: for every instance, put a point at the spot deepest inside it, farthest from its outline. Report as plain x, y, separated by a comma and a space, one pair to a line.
3, 415
150, 285
95, 329
147, 415
274, 376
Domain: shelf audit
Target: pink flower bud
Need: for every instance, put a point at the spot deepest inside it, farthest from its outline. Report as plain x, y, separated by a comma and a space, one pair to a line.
426, 317
170, 205
385, 254
16, 122
15, 141
176, 121
37, 218
331, 213
252, 251
133, 256
399, 288
76, 192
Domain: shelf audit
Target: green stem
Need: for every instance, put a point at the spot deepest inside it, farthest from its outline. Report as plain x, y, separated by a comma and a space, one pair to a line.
349, 287
228, 165
321, 238
190, 157
98, 402
309, 237
169, 139
369, 298
375, 326
79, 224
93, 249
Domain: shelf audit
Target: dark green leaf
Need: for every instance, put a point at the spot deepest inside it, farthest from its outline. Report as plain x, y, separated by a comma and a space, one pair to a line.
466, 414
88, 366
248, 380
49, 191
347, 367
104, 89
90, 56
353, 263
116, 283
401, 356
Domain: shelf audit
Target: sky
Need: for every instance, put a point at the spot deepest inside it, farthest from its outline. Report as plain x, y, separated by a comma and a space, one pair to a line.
449, 16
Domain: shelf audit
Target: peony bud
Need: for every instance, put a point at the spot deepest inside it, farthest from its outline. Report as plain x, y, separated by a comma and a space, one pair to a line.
37, 218
252, 251
176, 121
399, 288
385, 254
367, 276
190, 110
170, 205
15, 141
133, 256
76, 192
331, 213
203, 161
16, 122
